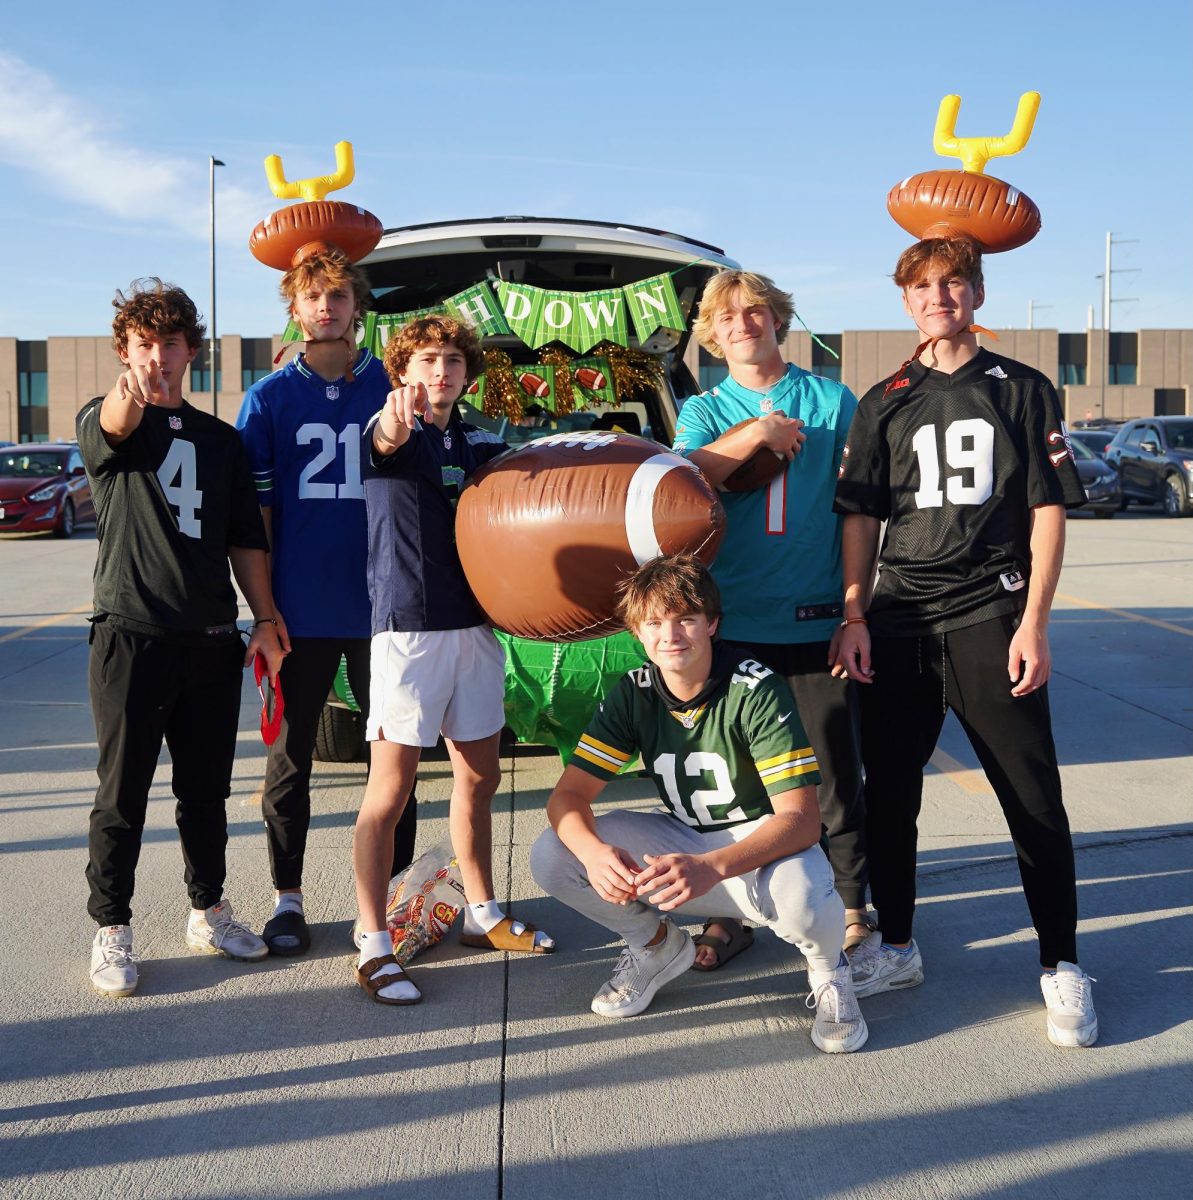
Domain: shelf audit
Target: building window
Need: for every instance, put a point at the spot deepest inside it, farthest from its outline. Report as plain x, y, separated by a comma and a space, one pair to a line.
824, 363
33, 393
1073, 351
1124, 357
256, 361
201, 372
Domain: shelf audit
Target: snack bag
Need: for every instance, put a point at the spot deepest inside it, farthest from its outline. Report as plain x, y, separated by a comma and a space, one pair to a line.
423, 902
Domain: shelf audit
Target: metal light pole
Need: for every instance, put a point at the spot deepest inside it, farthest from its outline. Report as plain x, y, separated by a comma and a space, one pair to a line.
1031, 311
211, 350
1107, 301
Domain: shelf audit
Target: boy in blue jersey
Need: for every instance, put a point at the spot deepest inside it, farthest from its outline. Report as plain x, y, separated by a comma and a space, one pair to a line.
436, 666
723, 742
779, 568
302, 428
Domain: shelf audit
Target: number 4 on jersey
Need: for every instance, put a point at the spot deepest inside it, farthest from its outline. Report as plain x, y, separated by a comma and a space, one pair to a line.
179, 478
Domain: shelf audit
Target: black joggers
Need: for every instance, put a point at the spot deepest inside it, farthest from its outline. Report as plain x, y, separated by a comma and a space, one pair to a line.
902, 712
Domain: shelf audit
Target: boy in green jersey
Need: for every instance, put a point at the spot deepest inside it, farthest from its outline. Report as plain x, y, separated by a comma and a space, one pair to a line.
739, 836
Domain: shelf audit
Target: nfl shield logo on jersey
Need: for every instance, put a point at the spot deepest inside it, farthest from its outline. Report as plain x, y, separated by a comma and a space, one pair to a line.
175, 422
333, 392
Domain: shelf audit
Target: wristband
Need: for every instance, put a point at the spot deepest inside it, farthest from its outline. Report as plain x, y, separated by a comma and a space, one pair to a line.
266, 621
854, 621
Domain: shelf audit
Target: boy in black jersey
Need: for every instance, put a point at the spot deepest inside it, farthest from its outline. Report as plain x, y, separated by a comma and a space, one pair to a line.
175, 505
964, 454
739, 837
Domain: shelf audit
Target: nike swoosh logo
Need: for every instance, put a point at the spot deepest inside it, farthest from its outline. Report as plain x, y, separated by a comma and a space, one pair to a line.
784, 718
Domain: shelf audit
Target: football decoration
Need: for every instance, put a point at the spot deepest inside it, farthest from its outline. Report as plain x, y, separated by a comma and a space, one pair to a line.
547, 531
591, 378
969, 203
534, 385
291, 234
758, 470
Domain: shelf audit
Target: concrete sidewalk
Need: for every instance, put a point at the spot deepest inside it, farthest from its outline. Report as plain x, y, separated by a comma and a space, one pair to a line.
221, 1079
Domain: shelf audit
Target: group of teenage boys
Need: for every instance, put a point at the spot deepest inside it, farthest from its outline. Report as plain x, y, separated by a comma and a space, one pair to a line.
771, 681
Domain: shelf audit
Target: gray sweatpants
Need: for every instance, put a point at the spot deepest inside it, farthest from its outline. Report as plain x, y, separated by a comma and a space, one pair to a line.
793, 896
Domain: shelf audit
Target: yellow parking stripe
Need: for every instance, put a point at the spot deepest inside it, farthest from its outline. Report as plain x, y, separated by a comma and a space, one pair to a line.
56, 619
966, 778
1127, 616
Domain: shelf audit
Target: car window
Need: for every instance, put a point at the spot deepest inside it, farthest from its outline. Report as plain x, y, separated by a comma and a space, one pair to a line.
30, 466
1134, 436
75, 460
1080, 449
1180, 435
1152, 434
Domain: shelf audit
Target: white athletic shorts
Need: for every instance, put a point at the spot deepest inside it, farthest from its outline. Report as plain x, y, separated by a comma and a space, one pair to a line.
449, 681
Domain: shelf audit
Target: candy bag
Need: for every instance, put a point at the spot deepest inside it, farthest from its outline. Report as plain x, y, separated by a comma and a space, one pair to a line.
423, 902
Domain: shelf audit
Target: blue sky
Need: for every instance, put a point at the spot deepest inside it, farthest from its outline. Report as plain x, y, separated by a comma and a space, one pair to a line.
773, 130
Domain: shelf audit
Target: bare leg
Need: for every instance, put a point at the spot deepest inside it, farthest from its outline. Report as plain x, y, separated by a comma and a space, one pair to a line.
391, 777
476, 774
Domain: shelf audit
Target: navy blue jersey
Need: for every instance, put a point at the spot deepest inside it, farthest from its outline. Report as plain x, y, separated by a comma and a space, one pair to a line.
416, 582
303, 438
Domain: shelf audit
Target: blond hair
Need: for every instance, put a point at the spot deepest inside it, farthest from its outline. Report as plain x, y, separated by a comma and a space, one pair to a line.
748, 289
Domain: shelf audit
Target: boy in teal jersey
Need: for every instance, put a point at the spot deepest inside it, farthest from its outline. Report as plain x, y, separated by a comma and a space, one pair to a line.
779, 568
739, 836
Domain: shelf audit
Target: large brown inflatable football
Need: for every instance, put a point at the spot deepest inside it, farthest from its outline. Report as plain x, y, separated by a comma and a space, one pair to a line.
291, 234
943, 204
548, 531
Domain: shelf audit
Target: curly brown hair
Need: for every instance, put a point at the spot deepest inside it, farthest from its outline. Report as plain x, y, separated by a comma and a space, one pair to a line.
434, 330
680, 584
959, 256
334, 269
155, 307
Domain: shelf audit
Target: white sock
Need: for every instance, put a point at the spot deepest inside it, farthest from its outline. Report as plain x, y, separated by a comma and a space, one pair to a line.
288, 902
480, 918
377, 945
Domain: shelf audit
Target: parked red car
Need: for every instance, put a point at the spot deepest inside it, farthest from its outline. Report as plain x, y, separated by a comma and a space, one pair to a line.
44, 488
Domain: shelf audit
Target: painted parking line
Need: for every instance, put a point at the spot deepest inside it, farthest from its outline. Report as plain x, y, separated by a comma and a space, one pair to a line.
969, 779
1126, 616
56, 619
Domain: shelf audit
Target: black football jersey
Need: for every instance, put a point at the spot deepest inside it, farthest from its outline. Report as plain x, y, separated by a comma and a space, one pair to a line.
169, 501
954, 464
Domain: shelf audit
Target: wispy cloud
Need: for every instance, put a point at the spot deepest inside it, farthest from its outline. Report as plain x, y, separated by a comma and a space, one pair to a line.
47, 134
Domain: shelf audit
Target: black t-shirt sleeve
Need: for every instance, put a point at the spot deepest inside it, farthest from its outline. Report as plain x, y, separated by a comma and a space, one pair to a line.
863, 478
99, 456
1052, 476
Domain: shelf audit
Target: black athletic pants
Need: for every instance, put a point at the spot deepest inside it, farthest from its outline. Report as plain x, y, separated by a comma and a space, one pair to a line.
307, 674
902, 713
828, 709
145, 689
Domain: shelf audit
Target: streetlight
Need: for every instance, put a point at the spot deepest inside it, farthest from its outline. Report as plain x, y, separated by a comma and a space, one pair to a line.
215, 395
1032, 306
1107, 301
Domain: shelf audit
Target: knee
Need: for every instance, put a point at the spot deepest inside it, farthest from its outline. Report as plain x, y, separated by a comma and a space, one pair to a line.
802, 893
548, 858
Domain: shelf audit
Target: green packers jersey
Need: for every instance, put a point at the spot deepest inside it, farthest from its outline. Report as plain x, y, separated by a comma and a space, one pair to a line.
715, 765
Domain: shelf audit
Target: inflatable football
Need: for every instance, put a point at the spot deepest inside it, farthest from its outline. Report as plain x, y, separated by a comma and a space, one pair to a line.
948, 204
547, 531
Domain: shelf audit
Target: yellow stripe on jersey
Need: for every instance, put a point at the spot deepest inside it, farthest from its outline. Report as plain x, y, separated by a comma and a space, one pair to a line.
787, 766
601, 755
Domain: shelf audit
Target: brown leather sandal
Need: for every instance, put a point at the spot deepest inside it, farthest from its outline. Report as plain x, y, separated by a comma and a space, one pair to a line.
367, 977
741, 937
861, 931
502, 937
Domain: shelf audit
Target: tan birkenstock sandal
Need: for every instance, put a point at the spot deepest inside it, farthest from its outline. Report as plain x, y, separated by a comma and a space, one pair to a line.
741, 937
367, 977
503, 937
866, 925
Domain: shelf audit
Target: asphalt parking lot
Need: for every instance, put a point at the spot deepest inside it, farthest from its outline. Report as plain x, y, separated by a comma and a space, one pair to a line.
220, 1079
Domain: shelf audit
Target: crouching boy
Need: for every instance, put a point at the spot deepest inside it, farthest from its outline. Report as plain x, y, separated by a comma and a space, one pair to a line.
739, 835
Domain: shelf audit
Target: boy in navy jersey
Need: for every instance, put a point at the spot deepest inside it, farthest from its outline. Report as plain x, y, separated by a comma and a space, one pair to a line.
739, 835
175, 507
302, 430
964, 454
436, 666
779, 568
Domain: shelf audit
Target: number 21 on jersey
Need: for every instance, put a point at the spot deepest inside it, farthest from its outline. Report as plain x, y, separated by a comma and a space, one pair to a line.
326, 438
968, 450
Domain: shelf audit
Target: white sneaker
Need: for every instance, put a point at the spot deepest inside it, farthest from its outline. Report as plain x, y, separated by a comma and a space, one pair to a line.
878, 968
113, 971
839, 1027
217, 931
1070, 1000
640, 973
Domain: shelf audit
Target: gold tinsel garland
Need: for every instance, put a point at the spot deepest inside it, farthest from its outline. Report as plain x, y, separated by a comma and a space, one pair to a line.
632, 371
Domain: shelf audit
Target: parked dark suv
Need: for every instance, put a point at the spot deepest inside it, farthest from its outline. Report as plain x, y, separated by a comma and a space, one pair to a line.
1154, 459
